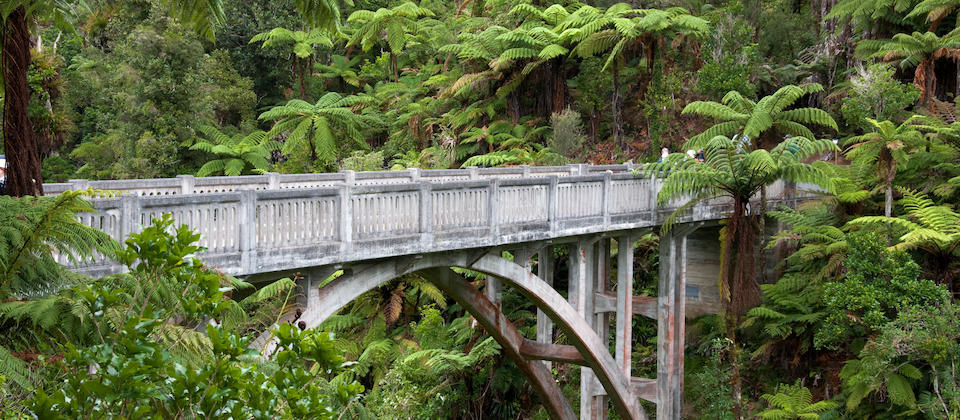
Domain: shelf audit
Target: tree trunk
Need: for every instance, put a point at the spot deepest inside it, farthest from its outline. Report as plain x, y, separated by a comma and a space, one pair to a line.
762, 255
23, 160
559, 87
615, 108
888, 200
393, 66
739, 281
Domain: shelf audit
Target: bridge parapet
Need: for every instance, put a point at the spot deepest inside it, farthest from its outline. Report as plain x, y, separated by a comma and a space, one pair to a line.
261, 226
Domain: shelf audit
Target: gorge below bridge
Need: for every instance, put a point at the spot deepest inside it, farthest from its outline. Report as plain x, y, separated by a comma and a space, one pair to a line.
378, 226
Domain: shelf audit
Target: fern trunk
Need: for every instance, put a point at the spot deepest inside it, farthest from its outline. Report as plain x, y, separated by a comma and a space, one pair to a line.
23, 176
888, 200
739, 268
615, 108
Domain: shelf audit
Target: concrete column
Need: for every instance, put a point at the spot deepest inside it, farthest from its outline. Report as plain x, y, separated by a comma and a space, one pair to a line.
493, 290
494, 218
606, 198
545, 269
187, 182
624, 325
474, 172
670, 322
601, 323
583, 276
552, 203
414, 174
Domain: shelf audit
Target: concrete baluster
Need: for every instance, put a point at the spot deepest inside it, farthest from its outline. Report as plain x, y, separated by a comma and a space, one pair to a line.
492, 213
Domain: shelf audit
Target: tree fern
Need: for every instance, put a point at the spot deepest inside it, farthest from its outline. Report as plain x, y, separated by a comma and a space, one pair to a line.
732, 172
794, 402
34, 230
740, 116
320, 128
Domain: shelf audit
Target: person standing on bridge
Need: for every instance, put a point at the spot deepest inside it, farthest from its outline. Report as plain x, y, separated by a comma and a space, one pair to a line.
3, 173
663, 154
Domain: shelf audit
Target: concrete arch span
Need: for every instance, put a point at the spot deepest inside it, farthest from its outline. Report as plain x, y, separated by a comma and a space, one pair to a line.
329, 299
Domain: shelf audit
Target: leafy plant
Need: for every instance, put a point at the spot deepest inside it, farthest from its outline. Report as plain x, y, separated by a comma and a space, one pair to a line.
935, 229
238, 154
740, 116
794, 402
301, 46
887, 146
319, 129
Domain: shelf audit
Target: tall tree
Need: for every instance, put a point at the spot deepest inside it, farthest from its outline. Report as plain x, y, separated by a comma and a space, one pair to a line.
18, 16
394, 25
619, 31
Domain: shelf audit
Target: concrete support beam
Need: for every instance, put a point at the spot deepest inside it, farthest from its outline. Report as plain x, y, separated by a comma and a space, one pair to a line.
670, 322
642, 305
512, 343
554, 352
644, 388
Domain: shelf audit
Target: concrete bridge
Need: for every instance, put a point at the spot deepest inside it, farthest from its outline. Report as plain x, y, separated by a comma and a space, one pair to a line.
378, 226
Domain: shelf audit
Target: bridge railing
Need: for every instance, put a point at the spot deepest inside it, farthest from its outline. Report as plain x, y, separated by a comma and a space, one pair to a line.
188, 184
255, 229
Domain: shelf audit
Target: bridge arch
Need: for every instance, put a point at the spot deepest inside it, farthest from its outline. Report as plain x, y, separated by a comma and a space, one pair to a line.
338, 293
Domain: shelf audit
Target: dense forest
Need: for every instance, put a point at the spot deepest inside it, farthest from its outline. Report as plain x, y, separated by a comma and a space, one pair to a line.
857, 319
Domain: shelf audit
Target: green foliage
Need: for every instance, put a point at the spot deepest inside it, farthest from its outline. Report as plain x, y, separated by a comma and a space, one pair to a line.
362, 161
318, 129
35, 232
711, 383
140, 364
888, 364
725, 171
143, 92
794, 402
730, 58
875, 93
567, 131
238, 154
877, 284
742, 116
